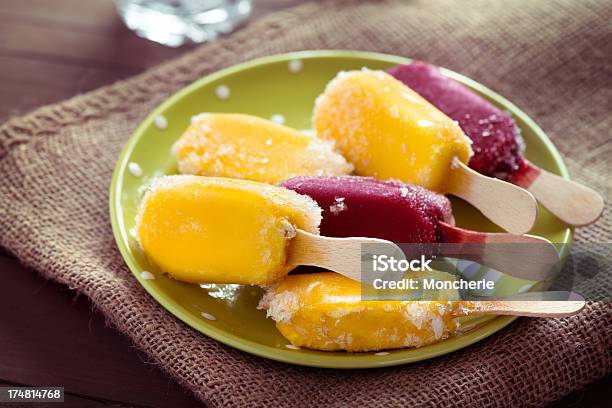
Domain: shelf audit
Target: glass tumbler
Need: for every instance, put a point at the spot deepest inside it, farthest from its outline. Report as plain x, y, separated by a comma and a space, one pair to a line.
174, 22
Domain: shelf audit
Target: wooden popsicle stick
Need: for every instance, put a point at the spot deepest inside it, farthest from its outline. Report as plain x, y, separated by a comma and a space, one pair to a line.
523, 256
341, 255
527, 305
571, 202
507, 205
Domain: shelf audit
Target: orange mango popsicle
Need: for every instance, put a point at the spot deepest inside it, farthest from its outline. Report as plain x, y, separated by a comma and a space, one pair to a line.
324, 311
248, 147
388, 131
207, 229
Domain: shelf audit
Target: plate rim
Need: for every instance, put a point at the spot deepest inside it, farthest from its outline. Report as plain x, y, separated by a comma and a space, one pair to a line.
332, 360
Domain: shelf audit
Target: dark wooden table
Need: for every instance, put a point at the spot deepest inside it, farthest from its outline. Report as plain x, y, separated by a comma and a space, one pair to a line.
51, 50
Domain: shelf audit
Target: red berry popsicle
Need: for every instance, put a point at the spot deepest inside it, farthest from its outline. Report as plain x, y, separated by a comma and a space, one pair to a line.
363, 206
497, 144
366, 207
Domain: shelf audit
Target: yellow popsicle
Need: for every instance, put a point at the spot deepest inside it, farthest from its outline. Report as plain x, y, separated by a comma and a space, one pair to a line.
324, 311
386, 130
218, 230
248, 147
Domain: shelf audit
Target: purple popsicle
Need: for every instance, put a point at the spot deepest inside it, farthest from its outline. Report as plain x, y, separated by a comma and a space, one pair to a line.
365, 207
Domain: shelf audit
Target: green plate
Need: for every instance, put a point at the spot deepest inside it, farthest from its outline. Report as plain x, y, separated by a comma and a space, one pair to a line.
266, 87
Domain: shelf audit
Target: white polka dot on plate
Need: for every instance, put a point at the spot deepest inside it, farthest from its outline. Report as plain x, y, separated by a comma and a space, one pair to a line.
208, 316
223, 92
135, 169
146, 275
161, 122
292, 347
296, 65
278, 118
381, 353
492, 275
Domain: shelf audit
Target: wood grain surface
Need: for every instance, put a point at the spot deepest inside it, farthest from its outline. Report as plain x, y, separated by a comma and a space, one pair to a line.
51, 50
54, 49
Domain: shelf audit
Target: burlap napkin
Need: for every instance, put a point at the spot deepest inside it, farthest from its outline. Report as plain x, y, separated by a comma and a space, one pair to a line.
554, 59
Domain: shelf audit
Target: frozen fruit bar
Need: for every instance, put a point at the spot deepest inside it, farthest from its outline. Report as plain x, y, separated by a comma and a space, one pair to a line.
496, 138
355, 206
386, 130
324, 311
207, 229
363, 206
248, 147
